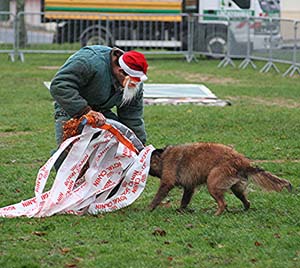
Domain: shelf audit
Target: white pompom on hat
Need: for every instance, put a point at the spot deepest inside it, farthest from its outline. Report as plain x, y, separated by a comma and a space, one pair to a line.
134, 64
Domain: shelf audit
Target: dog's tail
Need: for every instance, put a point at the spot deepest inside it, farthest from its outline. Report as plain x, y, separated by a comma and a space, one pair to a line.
267, 180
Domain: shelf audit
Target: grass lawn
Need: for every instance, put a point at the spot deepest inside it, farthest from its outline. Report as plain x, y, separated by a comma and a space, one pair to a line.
263, 122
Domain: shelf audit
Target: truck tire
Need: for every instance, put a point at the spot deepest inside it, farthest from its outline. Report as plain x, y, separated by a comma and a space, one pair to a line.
216, 44
95, 35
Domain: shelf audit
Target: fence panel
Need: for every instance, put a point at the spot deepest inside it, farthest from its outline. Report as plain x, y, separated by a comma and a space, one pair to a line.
295, 67
285, 51
7, 33
238, 36
44, 37
249, 38
164, 33
297, 42
263, 39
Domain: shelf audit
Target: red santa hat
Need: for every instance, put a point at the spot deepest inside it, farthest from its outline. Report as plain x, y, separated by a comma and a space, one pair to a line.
134, 64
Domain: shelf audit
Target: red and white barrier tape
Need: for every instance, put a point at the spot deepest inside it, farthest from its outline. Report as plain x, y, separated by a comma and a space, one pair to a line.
112, 162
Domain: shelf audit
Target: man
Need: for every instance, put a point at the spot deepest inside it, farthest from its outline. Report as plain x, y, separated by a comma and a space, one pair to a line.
96, 79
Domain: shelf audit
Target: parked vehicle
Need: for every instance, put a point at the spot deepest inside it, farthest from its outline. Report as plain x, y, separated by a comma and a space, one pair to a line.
163, 24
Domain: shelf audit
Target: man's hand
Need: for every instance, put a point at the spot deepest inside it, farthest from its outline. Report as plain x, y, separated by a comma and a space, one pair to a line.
99, 118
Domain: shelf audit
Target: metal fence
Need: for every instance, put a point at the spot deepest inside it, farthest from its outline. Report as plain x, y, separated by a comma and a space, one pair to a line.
7, 34
266, 39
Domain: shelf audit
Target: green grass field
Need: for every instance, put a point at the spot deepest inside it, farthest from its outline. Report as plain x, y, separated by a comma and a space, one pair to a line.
263, 122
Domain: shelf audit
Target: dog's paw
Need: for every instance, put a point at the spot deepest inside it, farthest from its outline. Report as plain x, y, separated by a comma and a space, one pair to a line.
151, 208
247, 206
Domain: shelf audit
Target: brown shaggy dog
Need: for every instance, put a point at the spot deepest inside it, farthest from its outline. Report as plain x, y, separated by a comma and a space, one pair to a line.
217, 165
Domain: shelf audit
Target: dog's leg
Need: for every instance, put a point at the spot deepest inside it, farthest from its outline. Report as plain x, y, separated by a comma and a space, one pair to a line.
218, 182
239, 190
162, 192
186, 198
219, 197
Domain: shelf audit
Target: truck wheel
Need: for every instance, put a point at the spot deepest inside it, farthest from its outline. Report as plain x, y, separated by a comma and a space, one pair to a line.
216, 43
95, 36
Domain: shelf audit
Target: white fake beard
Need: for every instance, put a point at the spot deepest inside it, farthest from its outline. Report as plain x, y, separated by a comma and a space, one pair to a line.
129, 93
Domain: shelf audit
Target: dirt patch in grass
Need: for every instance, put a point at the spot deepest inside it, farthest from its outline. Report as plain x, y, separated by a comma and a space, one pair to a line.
281, 102
202, 78
14, 133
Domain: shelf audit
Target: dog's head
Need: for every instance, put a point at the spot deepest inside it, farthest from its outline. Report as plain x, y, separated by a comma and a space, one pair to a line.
156, 163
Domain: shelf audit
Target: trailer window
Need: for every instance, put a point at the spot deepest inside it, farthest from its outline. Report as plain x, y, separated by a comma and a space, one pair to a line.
244, 4
269, 5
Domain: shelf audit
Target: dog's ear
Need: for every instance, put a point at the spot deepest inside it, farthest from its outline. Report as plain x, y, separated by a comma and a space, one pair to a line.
156, 156
156, 163
158, 152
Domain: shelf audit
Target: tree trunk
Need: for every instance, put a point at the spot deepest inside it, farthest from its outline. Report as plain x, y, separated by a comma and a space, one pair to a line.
21, 28
4, 6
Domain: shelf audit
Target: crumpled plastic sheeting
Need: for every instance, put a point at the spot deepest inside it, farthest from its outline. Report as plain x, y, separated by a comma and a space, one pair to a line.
100, 174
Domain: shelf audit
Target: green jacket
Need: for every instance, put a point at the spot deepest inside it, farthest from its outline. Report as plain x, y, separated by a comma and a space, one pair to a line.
86, 80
